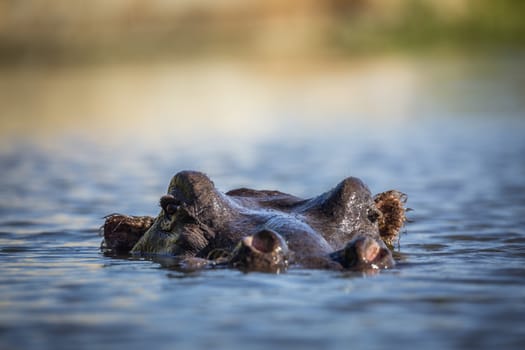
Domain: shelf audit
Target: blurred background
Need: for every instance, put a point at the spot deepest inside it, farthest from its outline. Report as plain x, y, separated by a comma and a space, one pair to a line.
238, 69
102, 101
61, 31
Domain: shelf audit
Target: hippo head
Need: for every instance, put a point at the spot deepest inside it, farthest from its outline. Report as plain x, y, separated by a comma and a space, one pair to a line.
344, 228
377, 227
182, 227
350, 218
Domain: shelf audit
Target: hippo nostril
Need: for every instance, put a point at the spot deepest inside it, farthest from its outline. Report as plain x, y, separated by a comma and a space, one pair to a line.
366, 249
362, 250
370, 251
265, 241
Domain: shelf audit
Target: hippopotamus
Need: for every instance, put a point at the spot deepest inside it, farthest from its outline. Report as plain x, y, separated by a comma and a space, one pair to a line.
345, 228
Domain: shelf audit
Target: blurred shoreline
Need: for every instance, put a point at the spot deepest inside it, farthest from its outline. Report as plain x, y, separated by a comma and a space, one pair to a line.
240, 100
247, 69
57, 32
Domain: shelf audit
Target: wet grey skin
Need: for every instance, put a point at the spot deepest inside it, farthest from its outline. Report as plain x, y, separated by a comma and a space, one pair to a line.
265, 231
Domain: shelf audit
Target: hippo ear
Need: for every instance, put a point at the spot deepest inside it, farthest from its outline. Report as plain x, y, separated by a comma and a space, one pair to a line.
391, 204
122, 232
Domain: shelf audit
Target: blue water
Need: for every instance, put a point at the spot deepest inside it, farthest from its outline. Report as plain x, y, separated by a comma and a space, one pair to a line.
459, 282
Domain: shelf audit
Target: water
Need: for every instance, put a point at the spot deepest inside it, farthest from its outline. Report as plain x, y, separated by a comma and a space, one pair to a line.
459, 282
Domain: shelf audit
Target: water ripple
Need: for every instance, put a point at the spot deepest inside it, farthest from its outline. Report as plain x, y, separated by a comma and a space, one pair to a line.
458, 282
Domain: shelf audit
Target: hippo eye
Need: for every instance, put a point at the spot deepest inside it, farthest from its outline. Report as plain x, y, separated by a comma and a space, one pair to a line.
171, 209
169, 204
373, 215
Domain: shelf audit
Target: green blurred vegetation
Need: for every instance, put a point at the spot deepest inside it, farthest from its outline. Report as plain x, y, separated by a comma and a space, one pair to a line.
57, 31
481, 25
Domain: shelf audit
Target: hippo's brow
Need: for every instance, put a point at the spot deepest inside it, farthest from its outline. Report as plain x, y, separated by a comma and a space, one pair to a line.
168, 199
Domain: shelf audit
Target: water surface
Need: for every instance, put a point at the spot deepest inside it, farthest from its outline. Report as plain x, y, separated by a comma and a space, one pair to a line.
453, 142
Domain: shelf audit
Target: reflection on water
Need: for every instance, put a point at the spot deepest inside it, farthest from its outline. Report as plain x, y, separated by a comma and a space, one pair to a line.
85, 143
201, 102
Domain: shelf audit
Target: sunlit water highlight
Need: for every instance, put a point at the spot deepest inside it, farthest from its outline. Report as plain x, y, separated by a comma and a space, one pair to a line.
460, 277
